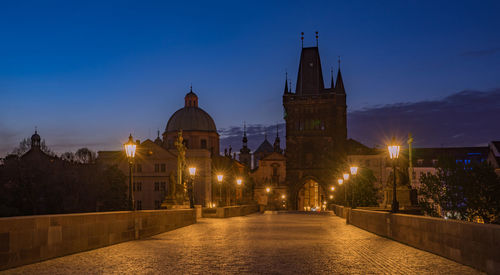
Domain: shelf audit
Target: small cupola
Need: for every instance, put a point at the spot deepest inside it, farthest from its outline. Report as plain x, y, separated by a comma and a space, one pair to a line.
191, 99
35, 140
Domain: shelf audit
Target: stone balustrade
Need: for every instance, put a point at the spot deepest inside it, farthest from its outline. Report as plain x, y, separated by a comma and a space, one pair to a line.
30, 239
473, 244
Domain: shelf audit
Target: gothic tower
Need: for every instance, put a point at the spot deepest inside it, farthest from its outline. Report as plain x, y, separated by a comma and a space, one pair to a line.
316, 133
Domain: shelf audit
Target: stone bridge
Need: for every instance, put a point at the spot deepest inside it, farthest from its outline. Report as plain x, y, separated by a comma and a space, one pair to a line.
287, 243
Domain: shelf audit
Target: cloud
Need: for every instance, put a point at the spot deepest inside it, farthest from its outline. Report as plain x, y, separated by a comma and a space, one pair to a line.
484, 52
467, 118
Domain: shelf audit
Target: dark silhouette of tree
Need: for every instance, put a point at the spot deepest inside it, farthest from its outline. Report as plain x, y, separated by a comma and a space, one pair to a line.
85, 156
49, 185
361, 186
68, 156
469, 192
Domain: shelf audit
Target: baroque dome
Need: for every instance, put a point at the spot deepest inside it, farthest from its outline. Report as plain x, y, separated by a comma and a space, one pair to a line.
191, 117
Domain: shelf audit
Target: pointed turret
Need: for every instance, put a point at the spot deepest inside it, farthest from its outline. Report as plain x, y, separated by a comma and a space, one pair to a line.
331, 76
158, 140
286, 84
340, 84
276, 145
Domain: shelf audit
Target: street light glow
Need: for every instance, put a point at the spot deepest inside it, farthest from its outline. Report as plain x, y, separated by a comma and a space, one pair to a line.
268, 189
393, 149
220, 177
192, 171
130, 147
354, 170
239, 181
333, 188
340, 181
346, 176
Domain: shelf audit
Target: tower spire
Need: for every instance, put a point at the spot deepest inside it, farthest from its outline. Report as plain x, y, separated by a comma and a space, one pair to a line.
317, 37
302, 38
331, 76
340, 84
286, 82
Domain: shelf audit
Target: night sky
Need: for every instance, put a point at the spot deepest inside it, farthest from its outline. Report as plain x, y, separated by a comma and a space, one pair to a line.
89, 73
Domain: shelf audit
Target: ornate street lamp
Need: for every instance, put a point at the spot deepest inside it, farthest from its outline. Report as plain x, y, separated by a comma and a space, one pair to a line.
354, 171
346, 177
220, 177
238, 183
192, 173
268, 191
130, 148
393, 149
340, 181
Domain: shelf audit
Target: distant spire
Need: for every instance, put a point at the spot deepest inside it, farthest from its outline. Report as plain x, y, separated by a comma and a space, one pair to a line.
331, 75
290, 88
158, 133
286, 83
245, 140
317, 37
302, 38
276, 145
191, 87
340, 84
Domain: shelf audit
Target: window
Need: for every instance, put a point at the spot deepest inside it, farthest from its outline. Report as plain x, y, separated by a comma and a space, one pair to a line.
420, 162
170, 143
367, 163
138, 168
162, 186
163, 167
434, 162
138, 186
157, 167
138, 205
157, 186
157, 204
203, 144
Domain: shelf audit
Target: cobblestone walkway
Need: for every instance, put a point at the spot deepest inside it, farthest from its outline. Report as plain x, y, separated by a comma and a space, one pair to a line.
256, 244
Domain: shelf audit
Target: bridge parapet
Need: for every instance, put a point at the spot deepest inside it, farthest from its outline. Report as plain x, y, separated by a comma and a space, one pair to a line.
473, 244
30, 239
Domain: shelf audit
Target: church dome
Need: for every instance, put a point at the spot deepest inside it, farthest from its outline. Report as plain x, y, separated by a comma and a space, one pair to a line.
191, 117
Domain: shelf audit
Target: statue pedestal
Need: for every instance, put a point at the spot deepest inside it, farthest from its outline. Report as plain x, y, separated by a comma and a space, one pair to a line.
170, 203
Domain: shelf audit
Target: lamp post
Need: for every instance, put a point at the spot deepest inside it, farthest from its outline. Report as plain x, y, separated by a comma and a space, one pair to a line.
346, 177
219, 179
354, 171
238, 184
268, 190
192, 173
130, 147
393, 149
340, 181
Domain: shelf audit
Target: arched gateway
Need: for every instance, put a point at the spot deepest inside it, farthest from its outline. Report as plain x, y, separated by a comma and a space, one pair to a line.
316, 132
311, 196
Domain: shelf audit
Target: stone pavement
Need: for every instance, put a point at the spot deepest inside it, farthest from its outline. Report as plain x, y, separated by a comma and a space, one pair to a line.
255, 244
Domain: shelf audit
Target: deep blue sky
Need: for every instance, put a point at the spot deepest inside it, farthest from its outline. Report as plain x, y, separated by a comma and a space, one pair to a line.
88, 73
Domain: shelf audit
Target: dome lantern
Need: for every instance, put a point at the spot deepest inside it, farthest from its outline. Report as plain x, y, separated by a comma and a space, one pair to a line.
191, 99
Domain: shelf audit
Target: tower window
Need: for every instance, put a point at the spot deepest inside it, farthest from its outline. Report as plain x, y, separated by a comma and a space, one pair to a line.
157, 167
203, 144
